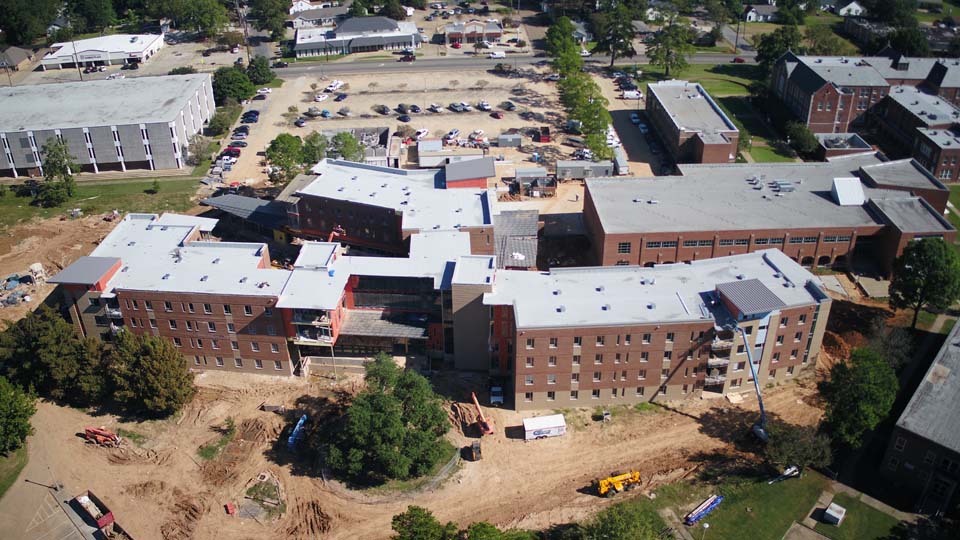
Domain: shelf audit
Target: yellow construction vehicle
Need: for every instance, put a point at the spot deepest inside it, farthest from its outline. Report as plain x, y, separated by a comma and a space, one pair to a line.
613, 484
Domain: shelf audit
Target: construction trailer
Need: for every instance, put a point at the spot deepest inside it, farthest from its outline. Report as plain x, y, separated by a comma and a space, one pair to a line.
541, 427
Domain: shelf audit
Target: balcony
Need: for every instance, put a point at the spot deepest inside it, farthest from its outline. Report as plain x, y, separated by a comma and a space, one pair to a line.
309, 336
315, 318
718, 362
714, 380
721, 344
114, 313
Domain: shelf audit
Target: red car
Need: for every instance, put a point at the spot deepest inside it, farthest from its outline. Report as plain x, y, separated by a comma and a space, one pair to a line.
407, 58
497, 114
739, 60
456, 45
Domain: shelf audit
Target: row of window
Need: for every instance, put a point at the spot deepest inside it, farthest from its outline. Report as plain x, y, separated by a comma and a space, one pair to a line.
530, 380
238, 362
601, 341
625, 247
599, 358
595, 393
929, 458
189, 307
215, 345
191, 326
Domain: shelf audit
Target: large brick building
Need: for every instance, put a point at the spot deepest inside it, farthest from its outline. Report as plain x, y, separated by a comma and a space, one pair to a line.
598, 336
692, 126
817, 213
922, 462
924, 126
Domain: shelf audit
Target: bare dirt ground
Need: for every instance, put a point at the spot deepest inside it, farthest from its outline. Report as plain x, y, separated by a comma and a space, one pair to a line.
163, 490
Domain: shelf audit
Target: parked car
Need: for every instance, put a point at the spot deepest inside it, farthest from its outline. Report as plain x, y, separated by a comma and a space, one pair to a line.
466, 106
265, 90
240, 135
340, 97
455, 44
415, 109
320, 97
403, 108
739, 60
456, 107
452, 134
245, 129
238, 144
644, 129
407, 58
249, 119
435, 108
635, 118
238, 61
260, 97
585, 53
326, 114
404, 118
552, 77
281, 64
483, 106
334, 86
422, 133
497, 114
382, 109
509, 106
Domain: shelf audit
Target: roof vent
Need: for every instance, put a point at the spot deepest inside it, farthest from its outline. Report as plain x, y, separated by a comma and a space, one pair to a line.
653, 281
131, 243
404, 203
600, 288
740, 276
605, 307
653, 201
435, 227
340, 188
556, 292
204, 278
651, 305
458, 210
243, 279
163, 228
374, 194
561, 309
383, 185
637, 200
217, 260
165, 276
263, 284
353, 177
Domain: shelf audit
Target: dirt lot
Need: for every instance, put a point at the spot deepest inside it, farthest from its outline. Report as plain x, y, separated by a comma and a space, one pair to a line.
162, 490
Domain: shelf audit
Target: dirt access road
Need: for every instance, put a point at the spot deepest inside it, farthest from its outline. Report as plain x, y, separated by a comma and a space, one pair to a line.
162, 490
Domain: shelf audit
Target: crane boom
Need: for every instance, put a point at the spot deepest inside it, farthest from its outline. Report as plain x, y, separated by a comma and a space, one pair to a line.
760, 428
485, 427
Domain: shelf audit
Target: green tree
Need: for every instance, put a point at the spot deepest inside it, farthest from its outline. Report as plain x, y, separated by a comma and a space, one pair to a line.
801, 138
560, 37
896, 344
155, 379
346, 146
315, 148
773, 45
286, 152
670, 47
622, 522
393, 10
40, 352
97, 14
58, 183
822, 41
232, 83
16, 408
182, 70
614, 32
926, 274
89, 385
858, 396
209, 17
418, 523
230, 39
358, 8
792, 12
568, 62
259, 70
792, 445
271, 16
896, 12
155, 187
219, 124
910, 40
22, 21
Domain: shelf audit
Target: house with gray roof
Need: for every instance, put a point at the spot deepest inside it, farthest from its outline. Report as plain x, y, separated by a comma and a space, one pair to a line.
15, 58
357, 34
760, 13
313, 18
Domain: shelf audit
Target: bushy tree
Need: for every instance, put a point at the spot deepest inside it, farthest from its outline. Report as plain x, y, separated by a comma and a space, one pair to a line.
232, 83
792, 12
393, 10
910, 40
671, 46
182, 70
155, 379
58, 166
624, 521
219, 124
358, 8
286, 152
792, 445
896, 344
822, 41
208, 17
614, 32
926, 274
315, 148
560, 37
418, 523
392, 430
22, 21
859, 396
271, 16
896, 12
801, 138
259, 70
16, 408
230, 39
96, 14
773, 45
346, 146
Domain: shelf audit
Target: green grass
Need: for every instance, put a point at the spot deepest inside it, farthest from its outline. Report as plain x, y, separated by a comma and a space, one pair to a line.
267, 491
765, 154
763, 512
10, 467
210, 451
862, 522
718, 80
137, 438
277, 82
413, 484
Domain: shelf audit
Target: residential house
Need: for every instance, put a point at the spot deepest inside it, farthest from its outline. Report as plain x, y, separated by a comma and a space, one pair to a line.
849, 8
760, 13
313, 18
581, 34
15, 58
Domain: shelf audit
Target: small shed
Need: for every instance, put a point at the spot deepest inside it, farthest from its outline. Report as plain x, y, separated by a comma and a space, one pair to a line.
429, 145
581, 170
509, 140
834, 514
541, 427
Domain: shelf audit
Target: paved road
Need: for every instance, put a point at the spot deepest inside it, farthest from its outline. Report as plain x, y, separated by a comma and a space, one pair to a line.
730, 34
460, 63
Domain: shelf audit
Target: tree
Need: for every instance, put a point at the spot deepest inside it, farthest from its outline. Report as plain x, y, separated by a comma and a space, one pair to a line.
900, 13
40, 353
800, 446
315, 148
346, 146
16, 408
615, 33
230, 39
859, 396
822, 41
792, 12
358, 8
623, 521
155, 187
773, 45
271, 16
22, 21
393, 10
895, 344
568, 62
97, 14
926, 274
391, 430
286, 152
58, 183
670, 47
182, 70
232, 83
560, 37
207, 16
910, 40
154, 378
259, 70
801, 138
219, 124
196, 148
418, 523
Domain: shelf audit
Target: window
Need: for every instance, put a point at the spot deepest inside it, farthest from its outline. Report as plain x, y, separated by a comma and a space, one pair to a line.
663, 390
551, 378
219, 361
189, 326
726, 242
600, 341
667, 355
595, 393
211, 326
531, 343
167, 306
950, 465
208, 309
740, 349
190, 307
670, 243
683, 390
278, 365
779, 340
809, 239
642, 375
596, 376
742, 242
577, 341
258, 364
626, 339
670, 337
616, 358
900, 444
148, 305
844, 238
776, 357
576, 359
739, 366
133, 323
784, 321
623, 247
267, 312
552, 361
528, 380
238, 362
231, 328
793, 354
623, 375
235, 345
247, 310
664, 373
704, 243
177, 342
819, 105
574, 395
254, 346
773, 374
778, 241
529, 361
893, 463
214, 344
646, 338
761, 241
802, 319
598, 359
274, 348
644, 356
790, 370
153, 323
551, 396
653, 245
575, 377
173, 324
735, 383
689, 243
553, 343
796, 240
528, 396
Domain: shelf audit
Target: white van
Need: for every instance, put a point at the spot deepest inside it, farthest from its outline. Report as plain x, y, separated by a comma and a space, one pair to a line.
632, 94
497, 54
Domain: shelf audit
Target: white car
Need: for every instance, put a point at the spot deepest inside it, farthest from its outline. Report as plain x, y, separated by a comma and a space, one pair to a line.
452, 134
435, 108
585, 53
334, 86
320, 97
484, 106
466, 106
477, 133
552, 77
264, 91
421, 133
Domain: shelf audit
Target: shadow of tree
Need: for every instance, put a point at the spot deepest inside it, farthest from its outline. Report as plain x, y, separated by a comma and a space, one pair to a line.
732, 426
321, 411
925, 528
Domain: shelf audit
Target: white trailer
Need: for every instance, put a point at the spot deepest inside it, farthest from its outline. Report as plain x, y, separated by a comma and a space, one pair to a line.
541, 427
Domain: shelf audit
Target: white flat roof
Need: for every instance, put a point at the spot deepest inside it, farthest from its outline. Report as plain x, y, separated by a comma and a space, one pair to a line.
115, 43
543, 422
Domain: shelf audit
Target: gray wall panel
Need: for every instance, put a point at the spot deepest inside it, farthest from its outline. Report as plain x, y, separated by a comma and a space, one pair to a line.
103, 146
132, 143
162, 146
77, 144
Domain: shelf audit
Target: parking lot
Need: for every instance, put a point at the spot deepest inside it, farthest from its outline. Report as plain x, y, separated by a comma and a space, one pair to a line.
643, 162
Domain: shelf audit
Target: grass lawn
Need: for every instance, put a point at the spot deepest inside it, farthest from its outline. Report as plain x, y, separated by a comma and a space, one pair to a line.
764, 512
747, 118
766, 154
10, 467
718, 80
861, 522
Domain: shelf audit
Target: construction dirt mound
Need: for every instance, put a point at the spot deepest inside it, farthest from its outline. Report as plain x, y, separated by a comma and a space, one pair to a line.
187, 512
148, 489
835, 346
309, 521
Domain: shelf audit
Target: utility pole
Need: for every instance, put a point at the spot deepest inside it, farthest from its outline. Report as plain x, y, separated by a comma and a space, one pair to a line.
243, 23
9, 78
736, 43
76, 59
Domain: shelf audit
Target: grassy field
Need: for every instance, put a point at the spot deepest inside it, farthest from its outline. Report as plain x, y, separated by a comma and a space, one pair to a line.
766, 154
719, 80
748, 30
861, 522
10, 467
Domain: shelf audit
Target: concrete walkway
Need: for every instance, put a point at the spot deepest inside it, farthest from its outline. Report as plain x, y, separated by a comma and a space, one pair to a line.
673, 521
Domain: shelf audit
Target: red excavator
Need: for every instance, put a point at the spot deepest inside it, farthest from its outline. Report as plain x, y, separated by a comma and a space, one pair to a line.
101, 436
486, 427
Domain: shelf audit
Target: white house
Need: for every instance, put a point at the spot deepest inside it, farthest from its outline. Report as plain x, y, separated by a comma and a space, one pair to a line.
313, 18
296, 6
760, 13
103, 51
850, 8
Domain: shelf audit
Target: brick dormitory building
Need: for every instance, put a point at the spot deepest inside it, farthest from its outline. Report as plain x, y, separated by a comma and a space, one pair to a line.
693, 127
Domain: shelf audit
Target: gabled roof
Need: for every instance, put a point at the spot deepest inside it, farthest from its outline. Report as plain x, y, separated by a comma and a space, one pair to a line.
321, 13
367, 24
470, 169
14, 56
